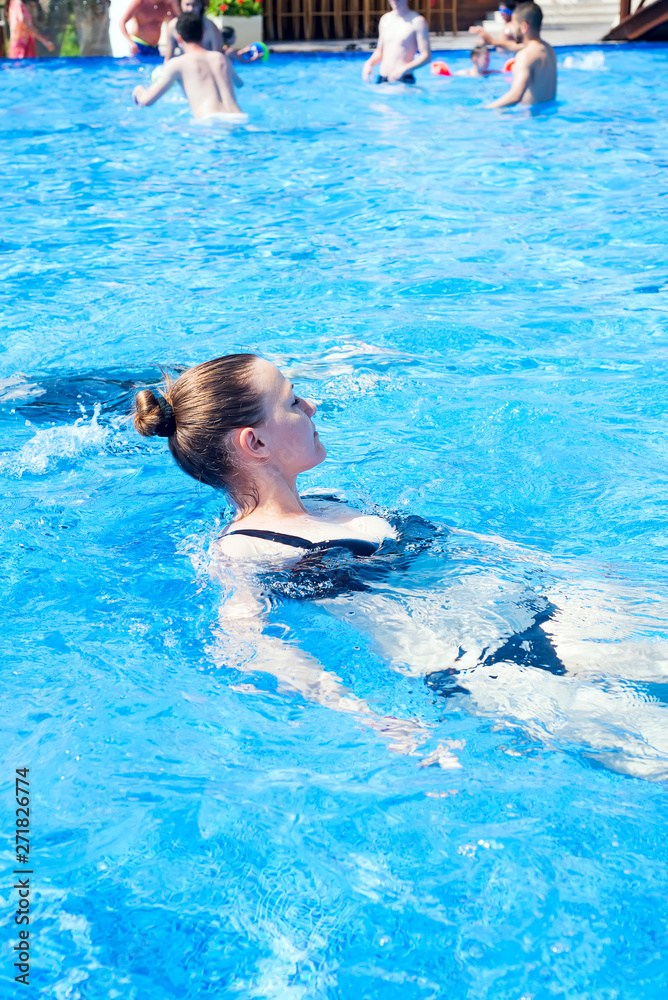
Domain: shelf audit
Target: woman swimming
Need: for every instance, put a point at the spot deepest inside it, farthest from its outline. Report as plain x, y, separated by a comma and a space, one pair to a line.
236, 424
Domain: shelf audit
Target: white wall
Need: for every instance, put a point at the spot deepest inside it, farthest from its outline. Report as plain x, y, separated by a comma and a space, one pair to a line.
119, 43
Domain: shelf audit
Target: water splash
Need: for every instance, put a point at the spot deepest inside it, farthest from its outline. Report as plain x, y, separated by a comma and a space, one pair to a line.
591, 62
43, 452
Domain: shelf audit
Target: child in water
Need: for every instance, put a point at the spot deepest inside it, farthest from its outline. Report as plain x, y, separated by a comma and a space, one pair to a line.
238, 55
480, 63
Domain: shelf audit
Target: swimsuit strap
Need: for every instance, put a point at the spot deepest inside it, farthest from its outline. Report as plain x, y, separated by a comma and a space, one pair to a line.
358, 546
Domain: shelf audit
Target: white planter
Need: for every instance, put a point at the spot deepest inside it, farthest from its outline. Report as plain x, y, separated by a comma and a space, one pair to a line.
247, 29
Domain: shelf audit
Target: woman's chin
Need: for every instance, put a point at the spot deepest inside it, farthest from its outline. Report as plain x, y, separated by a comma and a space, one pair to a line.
320, 455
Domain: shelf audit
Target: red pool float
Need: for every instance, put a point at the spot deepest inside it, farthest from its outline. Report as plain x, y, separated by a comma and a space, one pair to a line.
440, 68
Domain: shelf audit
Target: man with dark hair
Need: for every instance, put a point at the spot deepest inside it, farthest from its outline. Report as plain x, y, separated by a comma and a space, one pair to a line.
206, 77
212, 40
535, 69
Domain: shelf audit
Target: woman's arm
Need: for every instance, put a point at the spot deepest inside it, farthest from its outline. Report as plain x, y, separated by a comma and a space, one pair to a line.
23, 17
242, 619
46, 42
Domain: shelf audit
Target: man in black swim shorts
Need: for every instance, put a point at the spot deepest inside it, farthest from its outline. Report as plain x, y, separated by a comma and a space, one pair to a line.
403, 45
404, 78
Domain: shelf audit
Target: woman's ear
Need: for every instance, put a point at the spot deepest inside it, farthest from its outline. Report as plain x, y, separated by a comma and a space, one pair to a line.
250, 443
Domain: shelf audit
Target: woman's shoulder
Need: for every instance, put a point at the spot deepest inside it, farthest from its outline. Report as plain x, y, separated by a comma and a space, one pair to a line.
328, 519
236, 545
337, 512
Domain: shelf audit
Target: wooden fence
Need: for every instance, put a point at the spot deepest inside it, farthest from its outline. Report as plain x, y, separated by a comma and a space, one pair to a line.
287, 20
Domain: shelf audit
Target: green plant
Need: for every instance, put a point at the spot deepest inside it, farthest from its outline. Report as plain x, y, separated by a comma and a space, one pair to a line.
236, 8
70, 44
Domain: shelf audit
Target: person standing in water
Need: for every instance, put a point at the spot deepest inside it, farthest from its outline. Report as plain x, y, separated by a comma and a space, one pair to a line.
403, 45
506, 12
507, 39
146, 18
212, 39
206, 77
22, 34
535, 69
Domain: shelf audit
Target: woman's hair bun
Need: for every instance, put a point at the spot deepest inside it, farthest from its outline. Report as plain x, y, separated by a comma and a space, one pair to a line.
153, 415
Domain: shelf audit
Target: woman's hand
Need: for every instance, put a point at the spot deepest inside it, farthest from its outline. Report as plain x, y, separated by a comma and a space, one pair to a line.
46, 42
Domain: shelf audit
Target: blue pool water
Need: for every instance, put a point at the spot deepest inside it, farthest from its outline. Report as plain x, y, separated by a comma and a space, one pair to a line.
477, 303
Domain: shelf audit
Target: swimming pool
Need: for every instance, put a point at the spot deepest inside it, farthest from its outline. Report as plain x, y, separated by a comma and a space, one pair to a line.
477, 303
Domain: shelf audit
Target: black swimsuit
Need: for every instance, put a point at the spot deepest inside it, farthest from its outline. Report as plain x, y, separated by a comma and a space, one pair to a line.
323, 573
326, 568
357, 546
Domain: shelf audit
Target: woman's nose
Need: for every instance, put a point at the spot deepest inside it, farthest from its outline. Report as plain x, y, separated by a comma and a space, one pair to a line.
310, 407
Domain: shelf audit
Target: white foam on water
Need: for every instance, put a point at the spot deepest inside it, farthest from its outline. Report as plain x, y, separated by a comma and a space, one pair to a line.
17, 387
591, 62
51, 445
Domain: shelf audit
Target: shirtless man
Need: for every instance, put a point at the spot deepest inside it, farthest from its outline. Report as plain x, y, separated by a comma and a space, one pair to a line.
145, 18
535, 69
206, 77
212, 39
506, 40
506, 12
403, 45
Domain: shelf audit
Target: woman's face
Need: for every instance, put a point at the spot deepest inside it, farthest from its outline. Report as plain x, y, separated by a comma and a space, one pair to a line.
288, 431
